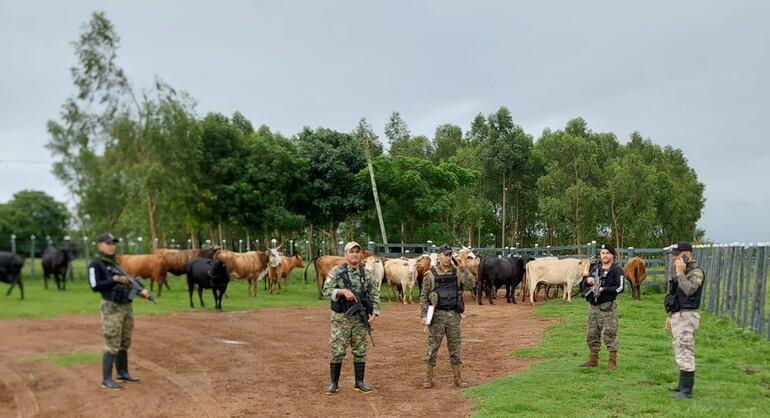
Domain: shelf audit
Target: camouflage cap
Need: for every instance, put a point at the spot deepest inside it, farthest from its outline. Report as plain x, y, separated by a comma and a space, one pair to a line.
352, 244
107, 238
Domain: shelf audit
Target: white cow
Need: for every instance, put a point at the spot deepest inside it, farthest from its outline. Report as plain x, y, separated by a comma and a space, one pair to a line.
568, 271
374, 264
403, 272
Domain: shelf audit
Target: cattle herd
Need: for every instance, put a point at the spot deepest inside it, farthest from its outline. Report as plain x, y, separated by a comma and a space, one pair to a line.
214, 268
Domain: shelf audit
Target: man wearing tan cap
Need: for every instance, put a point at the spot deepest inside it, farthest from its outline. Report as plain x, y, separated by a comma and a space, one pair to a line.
346, 285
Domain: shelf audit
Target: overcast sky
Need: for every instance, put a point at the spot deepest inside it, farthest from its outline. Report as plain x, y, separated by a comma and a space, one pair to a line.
691, 74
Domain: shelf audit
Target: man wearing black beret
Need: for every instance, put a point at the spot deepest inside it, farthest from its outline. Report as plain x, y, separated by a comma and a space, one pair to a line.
600, 288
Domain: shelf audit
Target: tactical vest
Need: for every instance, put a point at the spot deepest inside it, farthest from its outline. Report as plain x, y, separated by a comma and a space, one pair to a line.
341, 304
446, 288
120, 293
676, 299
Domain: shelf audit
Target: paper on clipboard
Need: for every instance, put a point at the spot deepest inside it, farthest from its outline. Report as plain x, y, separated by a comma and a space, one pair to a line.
429, 317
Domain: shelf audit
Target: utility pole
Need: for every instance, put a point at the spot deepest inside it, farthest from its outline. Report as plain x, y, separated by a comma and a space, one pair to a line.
374, 188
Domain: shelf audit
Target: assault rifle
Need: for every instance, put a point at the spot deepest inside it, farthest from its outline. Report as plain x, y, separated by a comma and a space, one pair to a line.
137, 285
358, 308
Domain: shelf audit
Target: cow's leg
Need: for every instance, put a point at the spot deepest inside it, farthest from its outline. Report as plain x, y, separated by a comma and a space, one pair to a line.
190, 286
45, 281
165, 282
217, 306
64, 281
200, 295
508, 295
480, 293
532, 293
490, 294
21, 287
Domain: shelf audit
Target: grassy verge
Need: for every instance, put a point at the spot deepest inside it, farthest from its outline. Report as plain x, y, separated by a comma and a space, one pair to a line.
732, 378
65, 359
78, 298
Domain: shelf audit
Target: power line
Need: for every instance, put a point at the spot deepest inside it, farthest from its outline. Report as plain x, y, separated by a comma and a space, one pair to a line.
25, 162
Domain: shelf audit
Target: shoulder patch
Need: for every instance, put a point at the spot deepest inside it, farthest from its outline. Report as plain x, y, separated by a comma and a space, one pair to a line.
697, 275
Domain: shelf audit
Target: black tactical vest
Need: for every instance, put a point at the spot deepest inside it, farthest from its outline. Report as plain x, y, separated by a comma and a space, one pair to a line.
446, 288
676, 299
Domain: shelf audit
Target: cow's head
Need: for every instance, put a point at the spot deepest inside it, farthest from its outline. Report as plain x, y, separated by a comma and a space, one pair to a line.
274, 257
585, 266
217, 268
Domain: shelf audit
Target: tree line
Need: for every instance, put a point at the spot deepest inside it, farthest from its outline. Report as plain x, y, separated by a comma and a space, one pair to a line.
143, 162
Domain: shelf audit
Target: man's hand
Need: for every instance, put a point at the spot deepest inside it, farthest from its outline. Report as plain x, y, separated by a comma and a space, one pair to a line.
371, 319
679, 265
668, 323
460, 262
424, 321
601, 290
144, 293
121, 279
347, 293
590, 281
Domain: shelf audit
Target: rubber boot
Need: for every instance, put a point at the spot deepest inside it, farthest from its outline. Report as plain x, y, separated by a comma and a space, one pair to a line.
458, 378
334, 373
688, 380
428, 382
612, 364
360, 386
121, 366
107, 382
678, 387
593, 360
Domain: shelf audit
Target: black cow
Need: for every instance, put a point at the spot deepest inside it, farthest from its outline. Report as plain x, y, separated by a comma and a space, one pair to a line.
496, 272
209, 274
10, 271
56, 262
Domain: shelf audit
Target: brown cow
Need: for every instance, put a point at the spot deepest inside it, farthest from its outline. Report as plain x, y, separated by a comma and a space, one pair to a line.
251, 265
274, 270
148, 266
325, 263
177, 260
288, 264
635, 271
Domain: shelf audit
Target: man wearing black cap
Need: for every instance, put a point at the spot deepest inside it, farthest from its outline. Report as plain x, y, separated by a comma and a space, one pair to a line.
441, 291
107, 278
603, 284
682, 303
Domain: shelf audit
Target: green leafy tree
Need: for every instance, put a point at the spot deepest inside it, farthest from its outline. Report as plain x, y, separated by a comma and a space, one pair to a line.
29, 213
447, 141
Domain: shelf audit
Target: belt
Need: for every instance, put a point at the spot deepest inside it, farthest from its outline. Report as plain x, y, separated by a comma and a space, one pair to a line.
447, 308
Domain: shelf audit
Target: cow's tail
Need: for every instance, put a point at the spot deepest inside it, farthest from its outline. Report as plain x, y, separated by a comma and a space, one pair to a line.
308, 266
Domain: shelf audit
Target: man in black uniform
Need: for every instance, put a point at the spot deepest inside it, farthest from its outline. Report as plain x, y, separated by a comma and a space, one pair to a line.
603, 284
107, 278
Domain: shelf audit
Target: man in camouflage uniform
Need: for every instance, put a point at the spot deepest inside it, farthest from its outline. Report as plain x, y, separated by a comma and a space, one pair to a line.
106, 277
341, 286
441, 289
603, 284
682, 302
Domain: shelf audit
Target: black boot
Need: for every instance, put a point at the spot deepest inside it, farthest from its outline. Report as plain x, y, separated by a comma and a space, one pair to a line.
678, 387
360, 385
688, 380
107, 382
334, 372
121, 366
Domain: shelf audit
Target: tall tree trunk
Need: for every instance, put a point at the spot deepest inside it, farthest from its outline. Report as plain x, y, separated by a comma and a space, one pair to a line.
219, 230
615, 223
502, 232
374, 192
470, 236
153, 225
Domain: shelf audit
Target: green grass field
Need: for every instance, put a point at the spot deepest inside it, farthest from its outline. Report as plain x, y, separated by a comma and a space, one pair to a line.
732, 377
78, 298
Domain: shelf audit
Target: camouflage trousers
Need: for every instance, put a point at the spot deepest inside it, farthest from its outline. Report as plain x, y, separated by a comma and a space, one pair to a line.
444, 323
347, 330
117, 326
683, 327
603, 320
